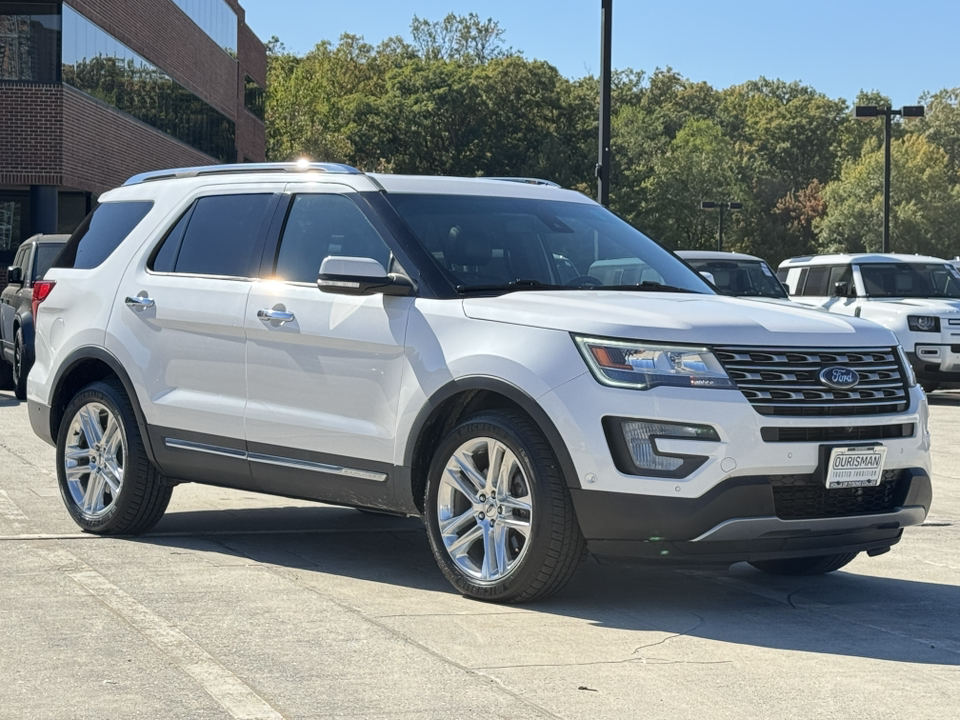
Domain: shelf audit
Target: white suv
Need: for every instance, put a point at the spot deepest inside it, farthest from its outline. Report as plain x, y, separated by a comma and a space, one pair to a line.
916, 297
508, 360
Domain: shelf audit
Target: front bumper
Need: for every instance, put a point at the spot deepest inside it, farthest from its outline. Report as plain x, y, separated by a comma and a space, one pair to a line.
936, 363
744, 519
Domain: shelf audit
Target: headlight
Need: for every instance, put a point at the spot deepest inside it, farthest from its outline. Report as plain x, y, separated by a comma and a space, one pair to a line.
908, 368
640, 365
923, 323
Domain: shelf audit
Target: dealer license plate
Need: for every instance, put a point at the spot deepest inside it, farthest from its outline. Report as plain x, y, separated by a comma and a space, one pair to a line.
855, 466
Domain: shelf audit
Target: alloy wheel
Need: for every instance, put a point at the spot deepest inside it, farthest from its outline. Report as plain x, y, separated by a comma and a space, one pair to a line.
94, 459
485, 510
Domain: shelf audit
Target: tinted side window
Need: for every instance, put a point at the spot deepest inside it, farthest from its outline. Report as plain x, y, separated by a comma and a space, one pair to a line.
322, 225
165, 260
224, 236
816, 284
101, 233
839, 274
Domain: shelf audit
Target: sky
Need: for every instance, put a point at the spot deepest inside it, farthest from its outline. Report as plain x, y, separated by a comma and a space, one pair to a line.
901, 48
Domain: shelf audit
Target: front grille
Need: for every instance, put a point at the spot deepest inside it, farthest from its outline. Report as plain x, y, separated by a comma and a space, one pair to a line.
805, 497
786, 381
836, 434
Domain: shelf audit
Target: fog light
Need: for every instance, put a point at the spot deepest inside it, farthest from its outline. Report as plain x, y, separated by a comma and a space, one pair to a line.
635, 451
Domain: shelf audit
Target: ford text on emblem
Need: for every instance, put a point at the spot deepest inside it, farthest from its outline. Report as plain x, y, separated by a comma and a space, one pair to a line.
839, 378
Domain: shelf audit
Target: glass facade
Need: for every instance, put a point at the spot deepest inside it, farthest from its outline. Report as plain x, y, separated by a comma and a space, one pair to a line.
216, 19
29, 42
254, 97
103, 67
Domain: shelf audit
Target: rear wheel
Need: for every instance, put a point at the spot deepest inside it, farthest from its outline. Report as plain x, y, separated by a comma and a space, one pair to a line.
818, 565
22, 360
499, 516
929, 387
107, 482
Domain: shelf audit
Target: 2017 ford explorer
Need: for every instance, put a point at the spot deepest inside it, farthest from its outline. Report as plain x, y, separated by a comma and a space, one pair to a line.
508, 360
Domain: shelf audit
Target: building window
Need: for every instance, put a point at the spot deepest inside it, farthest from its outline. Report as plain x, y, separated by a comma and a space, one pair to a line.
103, 67
30, 42
216, 19
254, 97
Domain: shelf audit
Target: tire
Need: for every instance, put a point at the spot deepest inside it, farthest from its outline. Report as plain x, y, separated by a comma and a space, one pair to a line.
22, 362
512, 540
929, 387
818, 565
6, 375
129, 495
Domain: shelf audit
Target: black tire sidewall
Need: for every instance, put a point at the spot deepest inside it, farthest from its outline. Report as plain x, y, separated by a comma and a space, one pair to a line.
540, 477
20, 373
108, 396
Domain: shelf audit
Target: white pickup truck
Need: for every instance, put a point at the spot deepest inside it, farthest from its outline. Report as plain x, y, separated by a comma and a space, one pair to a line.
915, 296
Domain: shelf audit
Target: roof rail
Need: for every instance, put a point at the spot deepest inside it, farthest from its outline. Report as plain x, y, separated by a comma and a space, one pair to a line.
799, 258
525, 180
243, 168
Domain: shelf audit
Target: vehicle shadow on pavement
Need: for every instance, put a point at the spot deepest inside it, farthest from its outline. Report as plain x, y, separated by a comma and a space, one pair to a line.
845, 613
8, 400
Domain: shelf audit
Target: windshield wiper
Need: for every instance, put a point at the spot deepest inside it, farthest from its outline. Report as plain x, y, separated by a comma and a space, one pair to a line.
513, 285
646, 286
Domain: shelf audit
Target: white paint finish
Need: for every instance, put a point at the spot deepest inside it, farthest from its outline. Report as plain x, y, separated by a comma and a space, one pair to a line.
185, 355
678, 318
236, 697
577, 408
328, 381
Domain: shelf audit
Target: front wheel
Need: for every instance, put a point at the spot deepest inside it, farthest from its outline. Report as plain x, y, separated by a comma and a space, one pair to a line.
817, 565
499, 517
107, 482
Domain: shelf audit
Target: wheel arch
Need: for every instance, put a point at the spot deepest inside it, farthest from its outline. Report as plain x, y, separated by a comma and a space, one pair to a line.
464, 397
82, 367
25, 322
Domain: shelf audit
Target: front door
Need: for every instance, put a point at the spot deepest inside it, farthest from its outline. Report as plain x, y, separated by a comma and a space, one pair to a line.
323, 370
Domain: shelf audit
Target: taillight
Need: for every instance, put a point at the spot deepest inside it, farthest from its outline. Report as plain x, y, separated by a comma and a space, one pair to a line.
41, 291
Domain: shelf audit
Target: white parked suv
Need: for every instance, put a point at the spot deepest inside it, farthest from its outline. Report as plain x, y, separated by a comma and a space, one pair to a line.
916, 297
508, 360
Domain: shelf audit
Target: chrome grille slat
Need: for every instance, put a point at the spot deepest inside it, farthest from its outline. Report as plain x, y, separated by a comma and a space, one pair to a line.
785, 381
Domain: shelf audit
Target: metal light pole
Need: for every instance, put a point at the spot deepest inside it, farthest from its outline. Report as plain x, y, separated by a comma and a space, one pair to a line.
603, 163
721, 206
865, 112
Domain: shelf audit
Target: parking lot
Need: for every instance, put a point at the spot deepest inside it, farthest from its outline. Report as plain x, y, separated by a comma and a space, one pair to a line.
245, 606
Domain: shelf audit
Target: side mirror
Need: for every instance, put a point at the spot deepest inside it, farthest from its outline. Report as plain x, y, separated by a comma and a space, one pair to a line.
844, 289
708, 276
360, 276
15, 275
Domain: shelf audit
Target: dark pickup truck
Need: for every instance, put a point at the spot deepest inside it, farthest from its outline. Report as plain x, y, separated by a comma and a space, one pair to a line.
33, 259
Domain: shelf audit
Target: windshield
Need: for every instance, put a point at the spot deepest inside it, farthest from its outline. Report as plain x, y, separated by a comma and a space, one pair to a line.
492, 244
910, 280
744, 278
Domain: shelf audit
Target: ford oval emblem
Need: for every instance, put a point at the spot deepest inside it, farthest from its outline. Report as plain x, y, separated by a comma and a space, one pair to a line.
839, 378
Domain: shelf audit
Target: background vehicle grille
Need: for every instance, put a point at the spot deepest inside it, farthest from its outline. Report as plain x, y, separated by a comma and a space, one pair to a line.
784, 381
804, 497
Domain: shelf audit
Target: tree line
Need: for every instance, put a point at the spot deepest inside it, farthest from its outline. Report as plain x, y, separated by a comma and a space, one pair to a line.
454, 100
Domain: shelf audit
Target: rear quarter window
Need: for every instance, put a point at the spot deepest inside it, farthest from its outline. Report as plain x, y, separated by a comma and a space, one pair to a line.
101, 233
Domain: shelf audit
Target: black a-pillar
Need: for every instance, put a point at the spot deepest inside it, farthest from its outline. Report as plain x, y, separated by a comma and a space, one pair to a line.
43, 209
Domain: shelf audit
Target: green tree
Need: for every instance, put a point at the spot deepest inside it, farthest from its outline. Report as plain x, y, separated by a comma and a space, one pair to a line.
925, 207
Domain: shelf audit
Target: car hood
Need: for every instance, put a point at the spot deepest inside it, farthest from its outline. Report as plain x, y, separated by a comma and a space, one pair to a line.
678, 318
938, 305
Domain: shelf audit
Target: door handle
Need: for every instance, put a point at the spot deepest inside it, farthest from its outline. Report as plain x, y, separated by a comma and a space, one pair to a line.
139, 303
278, 316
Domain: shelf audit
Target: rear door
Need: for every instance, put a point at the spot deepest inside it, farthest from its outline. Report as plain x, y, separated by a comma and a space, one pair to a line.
323, 386
10, 298
178, 324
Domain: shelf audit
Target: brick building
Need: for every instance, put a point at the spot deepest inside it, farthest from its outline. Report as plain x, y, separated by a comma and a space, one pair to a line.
94, 91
